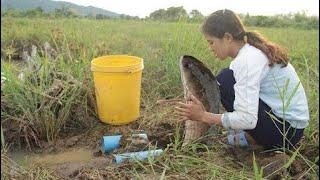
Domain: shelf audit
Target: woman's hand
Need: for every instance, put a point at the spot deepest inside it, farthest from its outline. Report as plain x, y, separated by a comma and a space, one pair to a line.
193, 110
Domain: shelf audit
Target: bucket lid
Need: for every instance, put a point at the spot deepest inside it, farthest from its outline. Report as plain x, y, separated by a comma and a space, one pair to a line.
117, 63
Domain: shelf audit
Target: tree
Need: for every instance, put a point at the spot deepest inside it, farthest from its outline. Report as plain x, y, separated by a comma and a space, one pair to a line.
39, 9
171, 14
64, 12
158, 14
176, 13
100, 16
37, 12
196, 15
128, 17
10, 12
300, 17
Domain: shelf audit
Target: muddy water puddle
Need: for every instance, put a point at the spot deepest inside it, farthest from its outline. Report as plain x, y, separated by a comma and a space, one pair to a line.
70, 157
65, 164
73, 150
46, 160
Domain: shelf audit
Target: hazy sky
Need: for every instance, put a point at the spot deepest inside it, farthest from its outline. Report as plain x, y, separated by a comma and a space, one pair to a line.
143, 8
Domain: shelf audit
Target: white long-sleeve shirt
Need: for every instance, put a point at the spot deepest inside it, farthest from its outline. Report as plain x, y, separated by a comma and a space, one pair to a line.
254, 80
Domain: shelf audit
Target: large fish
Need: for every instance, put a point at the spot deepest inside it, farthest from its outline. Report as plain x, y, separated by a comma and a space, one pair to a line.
200, 82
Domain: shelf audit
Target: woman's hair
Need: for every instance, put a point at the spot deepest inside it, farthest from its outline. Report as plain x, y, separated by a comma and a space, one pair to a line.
226, 21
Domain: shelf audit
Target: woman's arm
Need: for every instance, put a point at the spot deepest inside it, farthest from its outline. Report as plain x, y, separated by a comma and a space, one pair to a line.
195, 110
212, 118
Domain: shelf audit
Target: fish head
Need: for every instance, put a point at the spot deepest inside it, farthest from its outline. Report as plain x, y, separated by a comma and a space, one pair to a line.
190, 82
199, 81
186, 62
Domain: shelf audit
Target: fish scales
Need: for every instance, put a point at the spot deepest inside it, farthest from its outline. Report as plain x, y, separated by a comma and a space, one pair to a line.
200, 82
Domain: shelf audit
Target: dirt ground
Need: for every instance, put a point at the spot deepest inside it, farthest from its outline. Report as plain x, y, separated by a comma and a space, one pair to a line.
88, 144
99, 165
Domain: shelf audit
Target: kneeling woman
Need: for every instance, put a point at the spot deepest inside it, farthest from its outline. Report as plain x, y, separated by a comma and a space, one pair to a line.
260, 91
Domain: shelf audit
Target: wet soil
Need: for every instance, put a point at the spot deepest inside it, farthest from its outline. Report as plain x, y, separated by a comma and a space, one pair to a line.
80, 156
76, 155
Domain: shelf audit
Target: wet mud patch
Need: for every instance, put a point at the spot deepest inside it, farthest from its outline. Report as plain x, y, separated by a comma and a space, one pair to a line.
65, 164
162, 135
80, 156
133, 143
97, 166
90, 139
74, 170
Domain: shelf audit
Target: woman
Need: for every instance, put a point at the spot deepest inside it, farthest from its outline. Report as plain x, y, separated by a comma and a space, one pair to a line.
260, 91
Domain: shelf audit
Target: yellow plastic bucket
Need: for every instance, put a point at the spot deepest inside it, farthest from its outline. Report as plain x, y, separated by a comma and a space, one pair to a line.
117, 81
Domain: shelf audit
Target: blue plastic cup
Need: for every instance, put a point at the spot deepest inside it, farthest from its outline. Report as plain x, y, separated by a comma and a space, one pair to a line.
110, 143
120, 158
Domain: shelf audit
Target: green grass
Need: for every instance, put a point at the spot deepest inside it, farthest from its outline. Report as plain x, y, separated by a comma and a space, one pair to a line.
161, 45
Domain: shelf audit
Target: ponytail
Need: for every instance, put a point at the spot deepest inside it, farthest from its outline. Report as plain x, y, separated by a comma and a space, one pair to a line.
274, 52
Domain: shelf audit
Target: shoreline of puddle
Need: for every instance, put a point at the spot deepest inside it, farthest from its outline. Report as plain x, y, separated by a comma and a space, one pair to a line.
73, 155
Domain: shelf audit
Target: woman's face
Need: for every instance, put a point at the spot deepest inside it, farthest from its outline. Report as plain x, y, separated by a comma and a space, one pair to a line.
218, 46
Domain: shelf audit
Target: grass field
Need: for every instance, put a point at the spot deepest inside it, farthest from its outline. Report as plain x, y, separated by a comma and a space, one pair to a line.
160, 44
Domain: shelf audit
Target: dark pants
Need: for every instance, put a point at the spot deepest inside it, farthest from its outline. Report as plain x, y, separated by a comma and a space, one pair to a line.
267, 131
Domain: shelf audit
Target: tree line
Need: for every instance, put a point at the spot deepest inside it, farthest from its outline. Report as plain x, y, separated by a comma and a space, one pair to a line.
297, 20
173, 14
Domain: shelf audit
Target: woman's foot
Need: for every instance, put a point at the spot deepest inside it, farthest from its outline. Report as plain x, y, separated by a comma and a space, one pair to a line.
237, 138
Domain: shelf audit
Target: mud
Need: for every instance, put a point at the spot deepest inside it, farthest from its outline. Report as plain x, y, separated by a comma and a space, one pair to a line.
65, 164
73, 170
133, 144
80, 156
162, 135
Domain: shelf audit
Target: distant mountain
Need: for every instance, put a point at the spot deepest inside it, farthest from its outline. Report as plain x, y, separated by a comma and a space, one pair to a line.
49, 6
